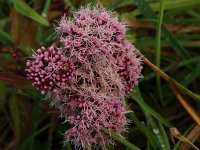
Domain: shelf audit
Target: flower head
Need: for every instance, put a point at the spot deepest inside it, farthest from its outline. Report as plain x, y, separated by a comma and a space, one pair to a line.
90, 117
89, 76
49, 69
97, 40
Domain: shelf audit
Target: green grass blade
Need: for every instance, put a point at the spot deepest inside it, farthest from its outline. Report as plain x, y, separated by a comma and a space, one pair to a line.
185, 91
35, 120
69, 146
70, 4
158, 47
121, 140
182, 63
145, 130
164, 136
176, 4
195, 73
46, 8
114, 4
168, 36
6, 38
156, 131
193, 14
3, 93
150, 42
27, 11
136, 96
15, 113
26, 142
176, 147
49, 36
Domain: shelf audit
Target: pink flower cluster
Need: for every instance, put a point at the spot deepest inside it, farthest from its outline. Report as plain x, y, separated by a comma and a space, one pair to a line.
127, 63
89, 77
95, 33
90, 117
49, 70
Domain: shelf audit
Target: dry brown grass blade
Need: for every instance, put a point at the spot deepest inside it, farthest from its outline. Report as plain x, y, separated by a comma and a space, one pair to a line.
153, 67
184, 103
100, 4
174, 133
171, 27
11, 145
167, 77
192, 136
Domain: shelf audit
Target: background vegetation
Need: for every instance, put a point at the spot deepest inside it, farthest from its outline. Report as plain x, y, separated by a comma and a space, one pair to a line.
165, 108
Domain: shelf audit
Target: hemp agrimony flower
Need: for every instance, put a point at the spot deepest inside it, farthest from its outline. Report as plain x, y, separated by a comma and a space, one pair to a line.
89, 76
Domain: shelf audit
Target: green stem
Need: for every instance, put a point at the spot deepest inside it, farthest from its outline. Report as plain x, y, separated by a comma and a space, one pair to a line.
121, 140
158, 47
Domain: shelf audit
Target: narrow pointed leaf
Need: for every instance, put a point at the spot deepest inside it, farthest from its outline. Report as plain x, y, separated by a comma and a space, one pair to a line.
136, 96
6, 38
121, 140
27, 11
167, 35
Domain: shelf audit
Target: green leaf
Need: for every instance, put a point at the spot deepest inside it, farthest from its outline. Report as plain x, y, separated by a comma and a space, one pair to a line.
46, 8
49, 36
26, 142
69, 146
15, 113
195, 73
150, 42
156, 132
158, 47
3, 93
164, 137
182, 63
193, 14
118, 3
70, 4
121, 140
167, 35
187, 131
145, 130
137, 97
185, 91
6, 38
44, 13
175, 4
35, 120
27, 11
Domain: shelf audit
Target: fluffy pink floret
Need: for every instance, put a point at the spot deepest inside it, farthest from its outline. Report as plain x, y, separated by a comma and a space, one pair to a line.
95, 35
49, 69
90, 117
129, 67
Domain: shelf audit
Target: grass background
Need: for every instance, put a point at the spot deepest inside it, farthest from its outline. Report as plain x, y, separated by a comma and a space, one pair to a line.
165, 108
